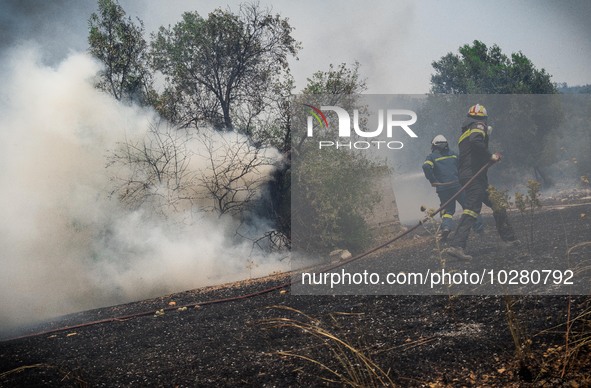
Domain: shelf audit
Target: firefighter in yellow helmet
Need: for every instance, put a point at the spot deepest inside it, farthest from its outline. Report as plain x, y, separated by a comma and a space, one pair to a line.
474, 154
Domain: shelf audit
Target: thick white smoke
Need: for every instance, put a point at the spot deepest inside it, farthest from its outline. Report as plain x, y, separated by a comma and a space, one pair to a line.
66, 245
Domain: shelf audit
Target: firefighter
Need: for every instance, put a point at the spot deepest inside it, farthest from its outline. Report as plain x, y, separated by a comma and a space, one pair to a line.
441, 170
474, 154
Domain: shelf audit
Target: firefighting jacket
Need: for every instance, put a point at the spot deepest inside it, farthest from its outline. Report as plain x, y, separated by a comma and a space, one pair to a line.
473, 146
441, 166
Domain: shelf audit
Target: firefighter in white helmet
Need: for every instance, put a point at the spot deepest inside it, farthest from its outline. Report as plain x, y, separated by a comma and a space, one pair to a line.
441, 170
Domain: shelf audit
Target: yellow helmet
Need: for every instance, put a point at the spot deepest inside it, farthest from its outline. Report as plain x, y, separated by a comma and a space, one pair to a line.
477, 111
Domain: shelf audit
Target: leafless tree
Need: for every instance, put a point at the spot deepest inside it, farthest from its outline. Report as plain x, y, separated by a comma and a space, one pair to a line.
235, 171
154, 168
173, 169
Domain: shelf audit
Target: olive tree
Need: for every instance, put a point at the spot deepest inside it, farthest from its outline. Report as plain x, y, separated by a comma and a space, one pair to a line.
221, 69
119, 44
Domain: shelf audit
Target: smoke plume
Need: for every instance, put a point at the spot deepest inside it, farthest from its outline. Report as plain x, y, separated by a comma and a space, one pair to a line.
67, 245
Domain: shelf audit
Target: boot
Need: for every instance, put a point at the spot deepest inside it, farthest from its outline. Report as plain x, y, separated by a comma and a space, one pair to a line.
458, 253
511, 243
442, 236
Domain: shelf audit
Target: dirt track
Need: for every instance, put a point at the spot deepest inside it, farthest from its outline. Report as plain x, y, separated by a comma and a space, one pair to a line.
416, 340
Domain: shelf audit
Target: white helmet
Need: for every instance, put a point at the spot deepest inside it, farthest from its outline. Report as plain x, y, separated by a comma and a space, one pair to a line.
439, 140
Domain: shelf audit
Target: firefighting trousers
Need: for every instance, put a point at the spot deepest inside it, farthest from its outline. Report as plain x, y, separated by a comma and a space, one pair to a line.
476, 195
447, 222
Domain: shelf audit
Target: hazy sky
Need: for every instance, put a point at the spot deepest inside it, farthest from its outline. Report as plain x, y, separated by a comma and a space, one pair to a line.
395, 41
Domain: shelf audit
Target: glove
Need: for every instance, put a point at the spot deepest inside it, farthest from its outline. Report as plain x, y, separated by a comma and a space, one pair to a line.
496, 157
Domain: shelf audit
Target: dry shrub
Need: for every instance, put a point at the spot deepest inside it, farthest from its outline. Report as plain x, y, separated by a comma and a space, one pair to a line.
345, 363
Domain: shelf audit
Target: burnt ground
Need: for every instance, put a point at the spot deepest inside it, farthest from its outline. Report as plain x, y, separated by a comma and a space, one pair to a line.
280, 339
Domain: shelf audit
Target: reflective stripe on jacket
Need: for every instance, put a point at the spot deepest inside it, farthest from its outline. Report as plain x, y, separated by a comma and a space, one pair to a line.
442, 167
473, 146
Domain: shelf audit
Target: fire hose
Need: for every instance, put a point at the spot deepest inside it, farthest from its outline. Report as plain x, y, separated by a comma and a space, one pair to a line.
270, 289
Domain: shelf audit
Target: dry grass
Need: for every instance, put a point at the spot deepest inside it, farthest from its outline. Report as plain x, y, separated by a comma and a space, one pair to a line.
340, 361
571, 359
68, 376
578, 328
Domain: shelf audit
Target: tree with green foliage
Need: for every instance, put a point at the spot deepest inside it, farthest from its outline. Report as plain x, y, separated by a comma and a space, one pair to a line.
221, 70
119, 44
338, 82
340, 85
333, 190
478, 69
578, 89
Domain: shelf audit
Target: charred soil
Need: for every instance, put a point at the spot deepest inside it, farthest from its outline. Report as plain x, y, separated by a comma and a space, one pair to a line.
280, 339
